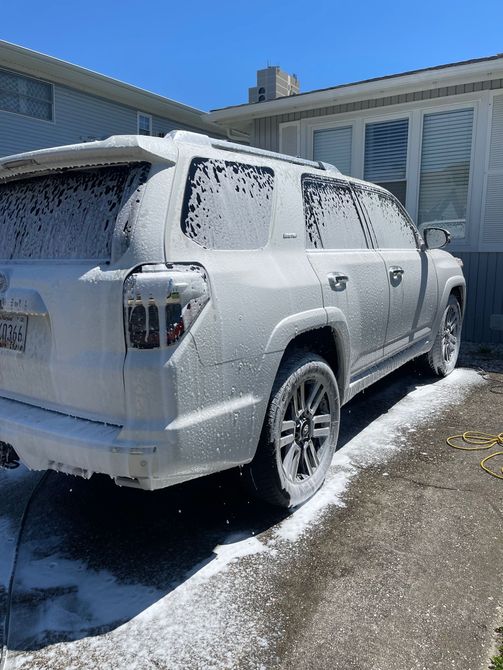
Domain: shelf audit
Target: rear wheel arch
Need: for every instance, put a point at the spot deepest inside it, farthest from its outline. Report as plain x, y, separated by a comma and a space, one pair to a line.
326, 342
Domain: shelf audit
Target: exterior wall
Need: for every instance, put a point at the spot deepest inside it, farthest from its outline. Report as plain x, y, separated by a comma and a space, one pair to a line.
483, 273
266, 130
481, 252
78, 117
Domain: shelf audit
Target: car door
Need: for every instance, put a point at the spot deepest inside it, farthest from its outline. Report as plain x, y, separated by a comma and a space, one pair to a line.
352, 274
410, 271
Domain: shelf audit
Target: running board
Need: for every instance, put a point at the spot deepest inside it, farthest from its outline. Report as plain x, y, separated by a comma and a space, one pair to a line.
363, 379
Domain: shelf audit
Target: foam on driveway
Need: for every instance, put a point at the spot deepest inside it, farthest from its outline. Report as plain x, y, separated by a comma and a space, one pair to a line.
74, 608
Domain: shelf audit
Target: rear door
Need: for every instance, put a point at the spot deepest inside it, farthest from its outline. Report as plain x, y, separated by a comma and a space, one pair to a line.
61, 309
411, 274
351, 273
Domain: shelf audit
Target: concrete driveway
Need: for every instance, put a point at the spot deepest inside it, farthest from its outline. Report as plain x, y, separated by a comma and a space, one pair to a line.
394, 565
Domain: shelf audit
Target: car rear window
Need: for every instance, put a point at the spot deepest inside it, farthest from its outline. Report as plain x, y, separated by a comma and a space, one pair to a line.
68, 215
227, 205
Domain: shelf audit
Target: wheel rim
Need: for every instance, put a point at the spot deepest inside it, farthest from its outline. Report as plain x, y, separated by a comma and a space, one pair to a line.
305, 429
450, 335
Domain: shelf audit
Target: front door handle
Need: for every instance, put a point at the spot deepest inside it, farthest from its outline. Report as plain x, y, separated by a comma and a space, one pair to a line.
396, 271
337, 280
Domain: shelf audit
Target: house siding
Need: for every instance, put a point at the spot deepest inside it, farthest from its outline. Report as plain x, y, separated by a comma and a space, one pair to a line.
266, 130
483, 269
78, 117
483, 272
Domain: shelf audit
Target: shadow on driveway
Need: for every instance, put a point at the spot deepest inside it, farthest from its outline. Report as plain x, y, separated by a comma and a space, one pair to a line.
93, 555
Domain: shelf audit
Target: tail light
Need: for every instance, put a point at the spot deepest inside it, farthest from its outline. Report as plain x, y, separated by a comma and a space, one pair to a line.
161, 302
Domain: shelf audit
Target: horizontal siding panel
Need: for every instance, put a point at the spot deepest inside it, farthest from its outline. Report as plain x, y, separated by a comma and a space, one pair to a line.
78, 117
484, 295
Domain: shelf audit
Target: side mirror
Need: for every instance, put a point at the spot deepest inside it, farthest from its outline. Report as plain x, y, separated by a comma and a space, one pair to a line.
436, 238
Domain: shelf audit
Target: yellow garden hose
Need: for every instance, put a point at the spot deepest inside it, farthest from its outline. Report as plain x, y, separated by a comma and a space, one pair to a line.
478, 441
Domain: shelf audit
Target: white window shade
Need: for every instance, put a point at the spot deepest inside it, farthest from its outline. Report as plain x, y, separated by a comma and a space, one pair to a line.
445, 170
492, 219
333, 145
386, 150
386, 155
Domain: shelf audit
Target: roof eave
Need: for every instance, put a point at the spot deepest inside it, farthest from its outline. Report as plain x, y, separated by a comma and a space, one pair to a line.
61, 72
444, 76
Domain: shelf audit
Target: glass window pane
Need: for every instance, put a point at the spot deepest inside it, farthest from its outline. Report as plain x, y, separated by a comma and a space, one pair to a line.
334, 146
386, 151
332, 220
392, 227
445, 170
227, 205
144, 124
25, 95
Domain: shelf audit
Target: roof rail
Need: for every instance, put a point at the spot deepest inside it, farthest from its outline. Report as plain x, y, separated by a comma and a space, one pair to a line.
198, 138
245, 149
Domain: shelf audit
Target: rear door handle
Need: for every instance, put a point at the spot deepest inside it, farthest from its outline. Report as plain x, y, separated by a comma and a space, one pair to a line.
337, 280
396, 271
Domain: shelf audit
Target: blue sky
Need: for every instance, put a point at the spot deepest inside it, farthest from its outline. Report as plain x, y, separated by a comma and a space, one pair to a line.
206, 53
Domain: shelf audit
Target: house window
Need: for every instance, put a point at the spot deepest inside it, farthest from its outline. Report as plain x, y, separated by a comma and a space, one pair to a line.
144, 124
333, 145
27, 96
445, 170
386, 155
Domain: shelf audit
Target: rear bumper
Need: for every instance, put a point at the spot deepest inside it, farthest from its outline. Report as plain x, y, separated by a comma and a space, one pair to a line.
49, 440
149, 456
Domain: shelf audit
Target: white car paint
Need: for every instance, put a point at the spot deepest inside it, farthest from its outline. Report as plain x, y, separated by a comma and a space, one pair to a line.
80, 399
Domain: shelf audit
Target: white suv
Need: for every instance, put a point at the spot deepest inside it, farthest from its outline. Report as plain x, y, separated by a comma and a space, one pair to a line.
174, 307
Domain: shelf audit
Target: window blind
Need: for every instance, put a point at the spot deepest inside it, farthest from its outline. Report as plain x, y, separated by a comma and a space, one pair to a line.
386, 151
333, 145
445, 169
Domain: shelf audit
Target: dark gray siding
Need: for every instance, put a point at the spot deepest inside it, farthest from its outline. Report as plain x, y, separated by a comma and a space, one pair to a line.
266, 130
78, 117
484, 281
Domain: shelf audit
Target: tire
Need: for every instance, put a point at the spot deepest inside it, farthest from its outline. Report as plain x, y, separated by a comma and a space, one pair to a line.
299, 435
443, 355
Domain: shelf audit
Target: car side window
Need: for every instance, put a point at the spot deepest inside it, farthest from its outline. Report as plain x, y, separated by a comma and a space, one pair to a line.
392, 227
331, 217
227, 205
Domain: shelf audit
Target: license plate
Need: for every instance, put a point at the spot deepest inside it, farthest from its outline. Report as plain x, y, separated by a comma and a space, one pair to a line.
13, 331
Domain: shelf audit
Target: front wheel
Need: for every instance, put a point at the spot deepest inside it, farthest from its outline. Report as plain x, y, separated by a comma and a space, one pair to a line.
444, 353
300, 432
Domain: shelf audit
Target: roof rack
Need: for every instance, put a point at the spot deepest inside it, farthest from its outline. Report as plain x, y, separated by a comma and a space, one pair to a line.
198, 138
245, 149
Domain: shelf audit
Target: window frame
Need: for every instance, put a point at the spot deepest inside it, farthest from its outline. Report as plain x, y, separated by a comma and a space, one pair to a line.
414, 108
367, 233
469, 240
52, 101
147, 116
